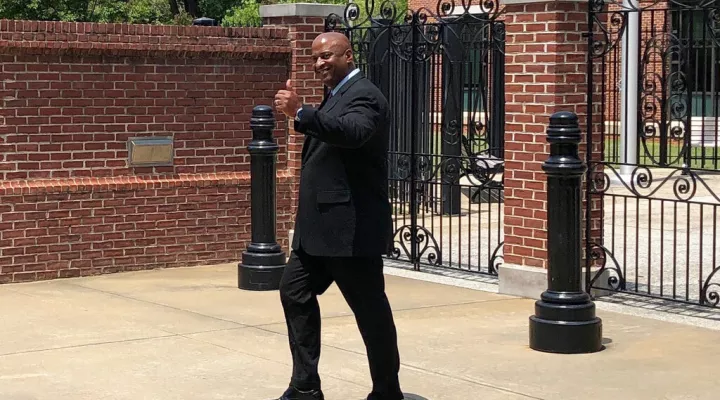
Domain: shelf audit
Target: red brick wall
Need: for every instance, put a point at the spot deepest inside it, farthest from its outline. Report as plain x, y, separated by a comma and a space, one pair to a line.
74, 93
546, 72
109, 225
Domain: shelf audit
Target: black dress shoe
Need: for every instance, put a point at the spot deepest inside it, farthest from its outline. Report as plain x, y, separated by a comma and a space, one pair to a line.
297, 394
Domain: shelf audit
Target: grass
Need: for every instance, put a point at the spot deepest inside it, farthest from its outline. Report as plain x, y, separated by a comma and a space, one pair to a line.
707, 158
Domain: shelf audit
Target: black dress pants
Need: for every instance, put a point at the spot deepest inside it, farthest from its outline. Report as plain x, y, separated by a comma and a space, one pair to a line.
362, 283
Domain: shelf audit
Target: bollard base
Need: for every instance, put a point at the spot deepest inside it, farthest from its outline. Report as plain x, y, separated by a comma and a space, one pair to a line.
571, 328
261, 271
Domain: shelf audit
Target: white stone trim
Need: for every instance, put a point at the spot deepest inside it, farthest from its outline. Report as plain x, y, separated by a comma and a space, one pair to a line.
300, 10
518, 280
530, 282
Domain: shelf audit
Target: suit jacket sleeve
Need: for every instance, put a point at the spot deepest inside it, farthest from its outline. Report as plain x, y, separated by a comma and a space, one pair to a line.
351, 129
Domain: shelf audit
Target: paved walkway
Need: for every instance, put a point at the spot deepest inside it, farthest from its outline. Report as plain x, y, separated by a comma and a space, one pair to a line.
191, 334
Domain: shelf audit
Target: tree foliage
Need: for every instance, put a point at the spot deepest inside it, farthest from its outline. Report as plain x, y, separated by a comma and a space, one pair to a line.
181, 12
54, 10
130, 11
246, 13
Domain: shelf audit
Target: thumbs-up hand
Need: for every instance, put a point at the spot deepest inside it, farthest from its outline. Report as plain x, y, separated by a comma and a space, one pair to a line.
287, 101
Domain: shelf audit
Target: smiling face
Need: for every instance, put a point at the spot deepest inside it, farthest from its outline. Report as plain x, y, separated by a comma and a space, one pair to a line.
332, 57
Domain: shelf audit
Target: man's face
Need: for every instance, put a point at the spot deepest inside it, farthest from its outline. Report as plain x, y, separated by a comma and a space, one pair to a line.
331, 63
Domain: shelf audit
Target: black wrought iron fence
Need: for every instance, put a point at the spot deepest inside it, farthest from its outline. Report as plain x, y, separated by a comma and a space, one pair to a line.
443, 74
654, 95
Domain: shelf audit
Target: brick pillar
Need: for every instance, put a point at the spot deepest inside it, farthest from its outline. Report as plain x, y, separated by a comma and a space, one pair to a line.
305, 21
546, 71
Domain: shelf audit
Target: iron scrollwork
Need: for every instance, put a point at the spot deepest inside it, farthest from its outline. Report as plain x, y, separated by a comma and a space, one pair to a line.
664, 96
355, 15
605, 37
615, 280
598, 180
481, 171
499, 33
386, 13
642, 183
709, 293
449, 8
672, 56
496, 259
713, 22
422, 240
428, 156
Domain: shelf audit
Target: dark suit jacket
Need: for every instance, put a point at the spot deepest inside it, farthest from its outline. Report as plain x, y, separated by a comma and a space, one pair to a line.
343, 207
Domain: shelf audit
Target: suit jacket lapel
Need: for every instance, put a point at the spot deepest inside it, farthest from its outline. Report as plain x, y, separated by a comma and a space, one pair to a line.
332, 102
325, 100
327, 104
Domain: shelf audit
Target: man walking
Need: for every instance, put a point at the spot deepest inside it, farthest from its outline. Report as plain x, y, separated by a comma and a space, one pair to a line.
343, 224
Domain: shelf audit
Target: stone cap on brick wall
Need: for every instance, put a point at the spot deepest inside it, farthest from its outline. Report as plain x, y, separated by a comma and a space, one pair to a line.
192, 32
300, 10
40, 37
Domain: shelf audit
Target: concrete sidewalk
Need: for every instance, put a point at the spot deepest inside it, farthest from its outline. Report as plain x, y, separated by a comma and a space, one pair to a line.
191, 334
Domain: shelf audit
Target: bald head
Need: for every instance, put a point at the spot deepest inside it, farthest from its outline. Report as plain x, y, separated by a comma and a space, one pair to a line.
336, 40
332, 57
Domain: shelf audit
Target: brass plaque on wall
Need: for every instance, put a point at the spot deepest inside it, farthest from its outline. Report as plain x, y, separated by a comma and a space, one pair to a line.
150, 151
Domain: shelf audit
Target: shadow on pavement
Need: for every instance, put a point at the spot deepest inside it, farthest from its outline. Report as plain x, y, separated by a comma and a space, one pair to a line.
410, 396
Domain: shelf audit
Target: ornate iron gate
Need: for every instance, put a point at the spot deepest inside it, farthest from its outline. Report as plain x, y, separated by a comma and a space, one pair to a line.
443, 74
654, 152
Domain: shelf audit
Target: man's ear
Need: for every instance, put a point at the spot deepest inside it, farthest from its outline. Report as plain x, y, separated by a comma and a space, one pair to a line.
349, 55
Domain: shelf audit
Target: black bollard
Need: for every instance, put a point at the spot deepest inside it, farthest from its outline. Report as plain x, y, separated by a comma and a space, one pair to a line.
264, 261
564, 320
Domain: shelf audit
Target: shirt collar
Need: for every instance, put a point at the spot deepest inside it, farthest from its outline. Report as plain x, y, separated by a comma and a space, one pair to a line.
342, 82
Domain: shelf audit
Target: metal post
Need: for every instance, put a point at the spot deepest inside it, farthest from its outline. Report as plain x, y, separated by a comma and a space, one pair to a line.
264, 261
454, 77
497, 121
564, 320
378, 64
629, 92
414, 24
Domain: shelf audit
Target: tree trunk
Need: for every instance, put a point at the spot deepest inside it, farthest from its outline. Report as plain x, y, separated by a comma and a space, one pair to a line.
192, 8
174, 7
